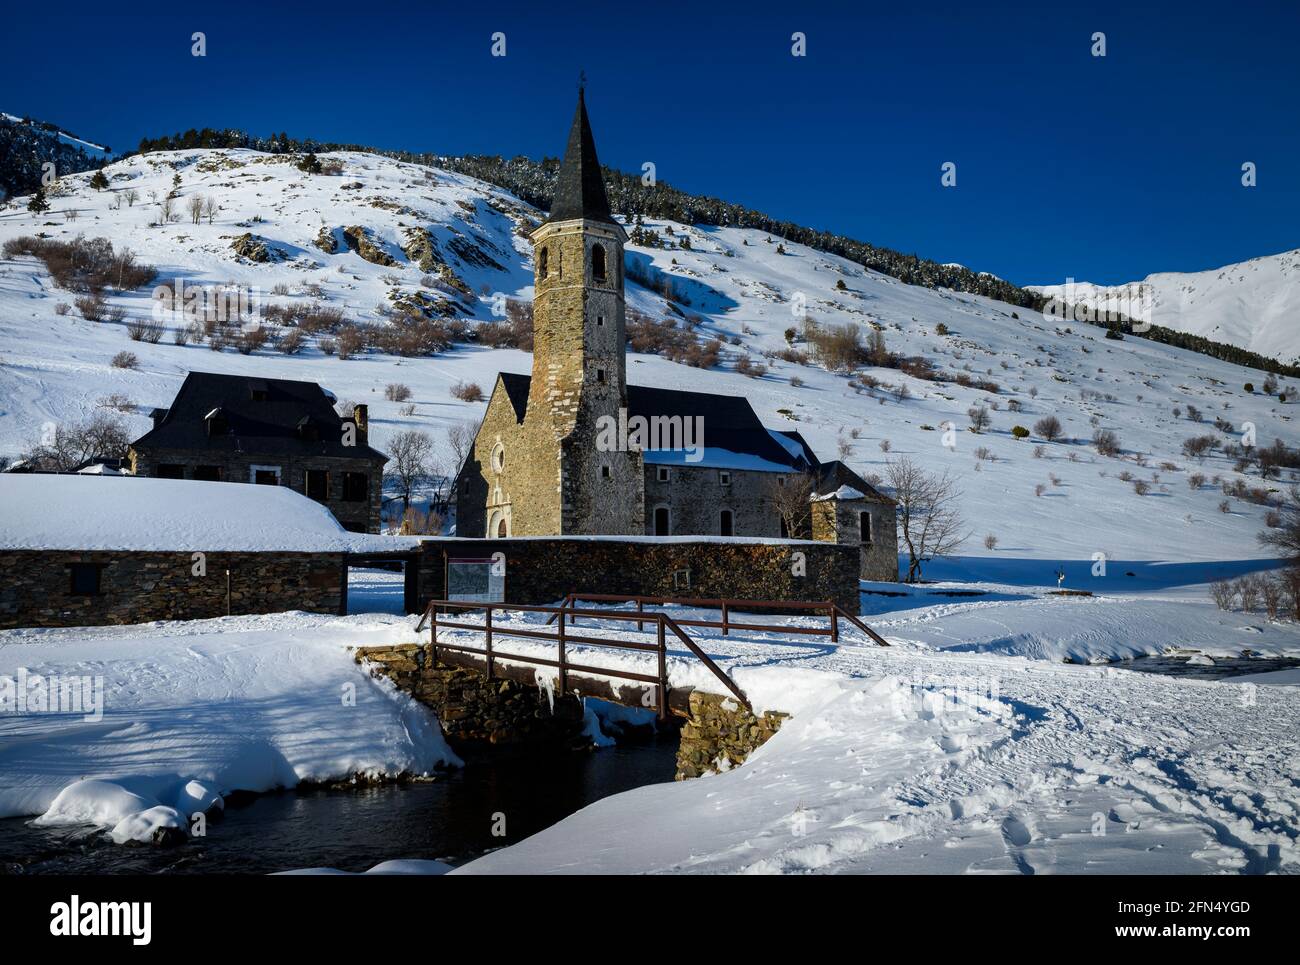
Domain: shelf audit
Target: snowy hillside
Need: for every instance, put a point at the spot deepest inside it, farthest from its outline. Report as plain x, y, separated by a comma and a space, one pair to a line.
740, 286
1254, 305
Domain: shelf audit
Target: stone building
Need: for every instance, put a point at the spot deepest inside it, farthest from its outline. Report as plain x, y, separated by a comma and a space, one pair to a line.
276, 432
574, 450
81, 551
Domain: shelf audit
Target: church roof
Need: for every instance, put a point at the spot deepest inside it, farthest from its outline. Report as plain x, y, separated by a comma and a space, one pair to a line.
580, 188
734, 437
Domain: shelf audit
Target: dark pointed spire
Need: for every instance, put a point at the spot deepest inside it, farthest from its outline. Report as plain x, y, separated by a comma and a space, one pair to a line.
580, 189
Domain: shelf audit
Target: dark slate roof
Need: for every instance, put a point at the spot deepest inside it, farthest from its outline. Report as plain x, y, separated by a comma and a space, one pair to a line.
729, 421
256, 426
832, 475
580, 189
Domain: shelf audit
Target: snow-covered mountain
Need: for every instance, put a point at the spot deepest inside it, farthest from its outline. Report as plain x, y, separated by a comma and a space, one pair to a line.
27, 146
1254, 305
445, 244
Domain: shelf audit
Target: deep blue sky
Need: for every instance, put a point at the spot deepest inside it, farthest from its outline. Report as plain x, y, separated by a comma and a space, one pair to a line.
1102, 169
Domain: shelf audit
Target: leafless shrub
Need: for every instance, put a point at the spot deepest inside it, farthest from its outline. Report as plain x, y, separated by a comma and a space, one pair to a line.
1040, 489
145, 330
1049, 428
990, 542
397, 392
291, 342
1223, 593
1141, 487
467, 392
1195, 481
1106, 442
125, 360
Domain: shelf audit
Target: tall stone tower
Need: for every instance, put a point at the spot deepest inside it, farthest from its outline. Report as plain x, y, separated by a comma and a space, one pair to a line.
579, 356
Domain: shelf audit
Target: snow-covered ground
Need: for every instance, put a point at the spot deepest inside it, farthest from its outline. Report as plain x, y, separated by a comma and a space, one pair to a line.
191, 711
1254, 305
940, 754
56, 368
965, 746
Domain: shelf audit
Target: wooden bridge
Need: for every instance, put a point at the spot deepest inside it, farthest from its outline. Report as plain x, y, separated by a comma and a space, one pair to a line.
645, 690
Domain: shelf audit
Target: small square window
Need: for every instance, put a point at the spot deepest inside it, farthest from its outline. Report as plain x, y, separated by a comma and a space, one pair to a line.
600, 375
85, 579
600, 321
356, 487
780, 480
663, 473
604, 472
724, 478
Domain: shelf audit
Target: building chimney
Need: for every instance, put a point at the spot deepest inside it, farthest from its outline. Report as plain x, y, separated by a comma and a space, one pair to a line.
361, 416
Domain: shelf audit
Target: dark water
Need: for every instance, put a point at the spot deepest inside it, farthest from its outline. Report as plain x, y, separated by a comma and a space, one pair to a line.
449, 820
1223, 666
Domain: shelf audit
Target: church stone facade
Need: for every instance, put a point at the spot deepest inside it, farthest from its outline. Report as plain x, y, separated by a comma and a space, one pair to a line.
538, 466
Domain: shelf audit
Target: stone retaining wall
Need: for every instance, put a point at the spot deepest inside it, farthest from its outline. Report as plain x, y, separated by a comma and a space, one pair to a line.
137, 587
720, 734
474, 710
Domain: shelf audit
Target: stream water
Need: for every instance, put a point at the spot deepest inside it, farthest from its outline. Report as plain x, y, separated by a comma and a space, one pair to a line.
451, 819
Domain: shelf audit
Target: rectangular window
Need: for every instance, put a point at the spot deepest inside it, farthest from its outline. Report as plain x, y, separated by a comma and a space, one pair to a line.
663, 474
725, 524
600, 321
170, 470
604, 472
85, 579
356, 487
316, 484
208, 473
724, 478
600, 375
264, 475
864, 528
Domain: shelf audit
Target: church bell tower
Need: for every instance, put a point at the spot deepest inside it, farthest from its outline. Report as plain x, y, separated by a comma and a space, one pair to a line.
579, 355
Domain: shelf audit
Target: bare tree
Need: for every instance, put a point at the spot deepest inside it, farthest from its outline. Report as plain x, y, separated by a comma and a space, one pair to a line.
791, 497
102, 436
210, 209
979, 417
410, 463
132, 196
195, 208
1286, 537
928, 518
166, 209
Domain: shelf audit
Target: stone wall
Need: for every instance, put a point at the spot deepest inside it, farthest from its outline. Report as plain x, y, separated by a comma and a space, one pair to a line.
136, 587
540, 571
475, 711
720, 734
361, 516
695, 498
839, 520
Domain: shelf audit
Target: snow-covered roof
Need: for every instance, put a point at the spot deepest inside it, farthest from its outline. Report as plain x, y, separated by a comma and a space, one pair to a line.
73, 512
844, 492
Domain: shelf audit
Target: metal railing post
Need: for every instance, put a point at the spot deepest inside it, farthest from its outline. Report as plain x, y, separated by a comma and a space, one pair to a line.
639, 609
433, 633
564, 675
835, 623
725, 611
487, 622
663, 669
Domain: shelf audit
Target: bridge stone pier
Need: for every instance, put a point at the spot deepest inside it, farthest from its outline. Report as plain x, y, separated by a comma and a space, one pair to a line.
515, 710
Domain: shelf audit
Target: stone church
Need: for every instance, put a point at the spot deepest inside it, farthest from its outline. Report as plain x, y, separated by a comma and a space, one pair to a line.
544, 462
